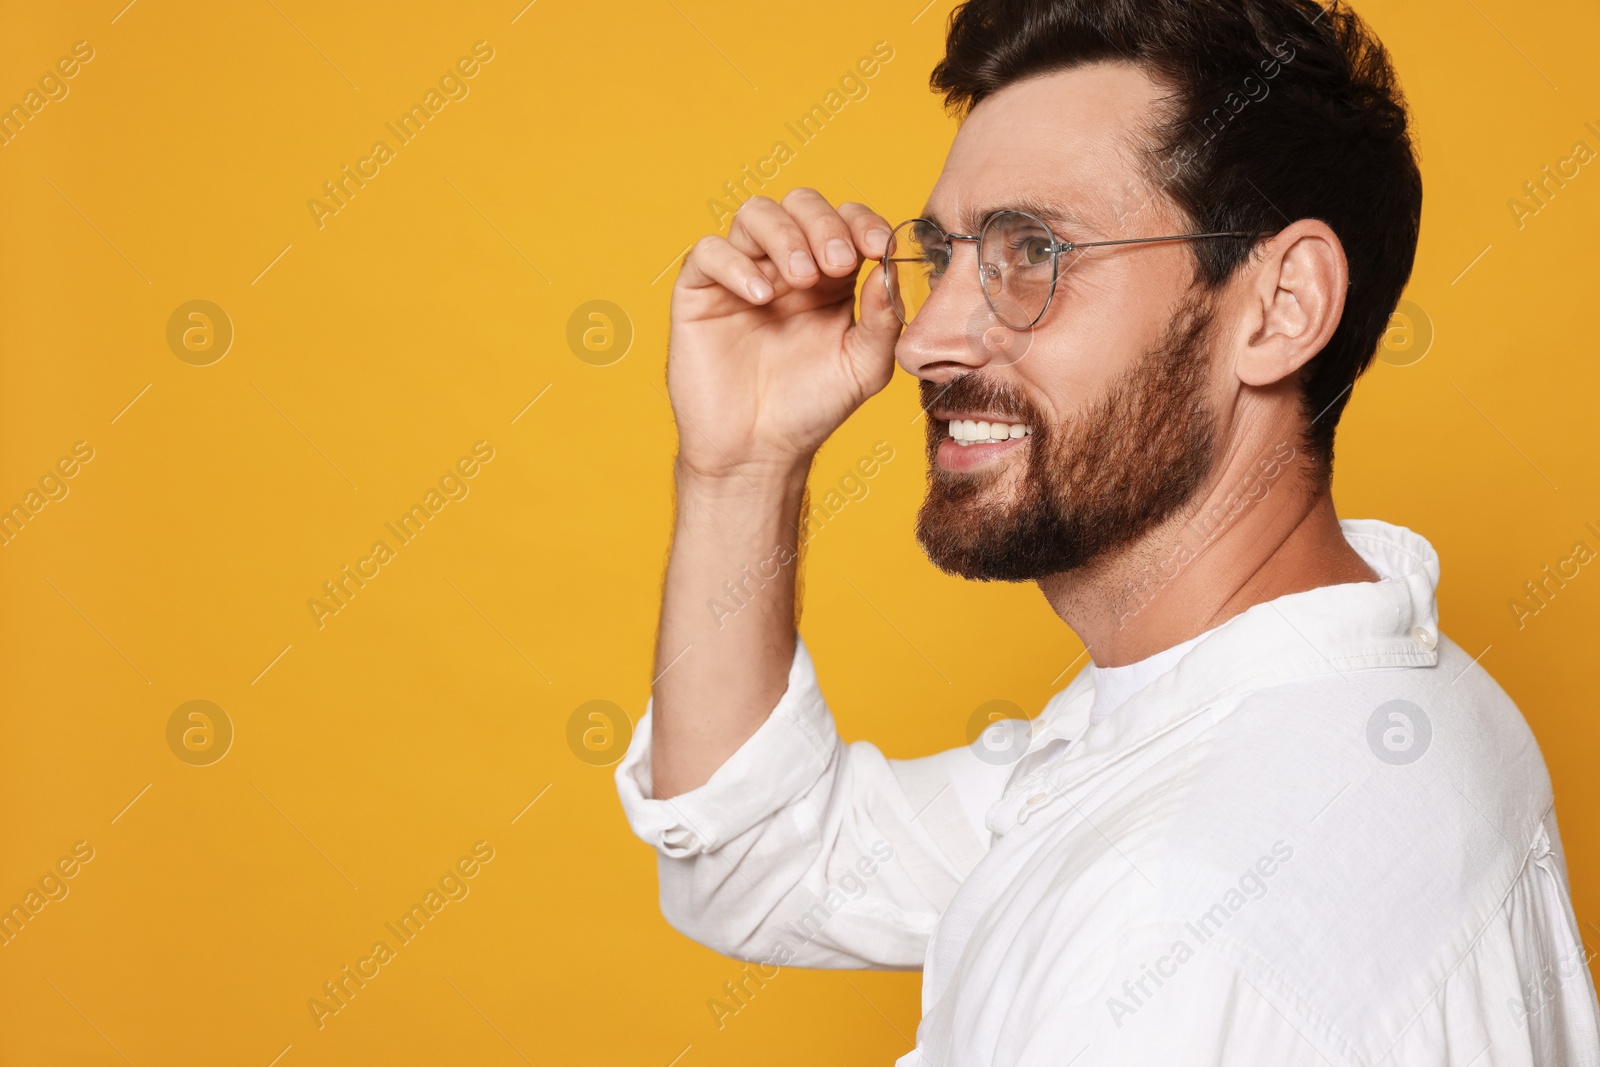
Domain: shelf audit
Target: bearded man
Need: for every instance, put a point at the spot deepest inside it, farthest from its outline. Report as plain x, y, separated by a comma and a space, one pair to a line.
1280, 818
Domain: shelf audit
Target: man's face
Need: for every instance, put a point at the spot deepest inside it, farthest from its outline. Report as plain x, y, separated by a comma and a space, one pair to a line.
1114, 381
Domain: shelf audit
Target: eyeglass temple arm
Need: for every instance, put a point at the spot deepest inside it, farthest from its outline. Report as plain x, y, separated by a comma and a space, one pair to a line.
1065, 246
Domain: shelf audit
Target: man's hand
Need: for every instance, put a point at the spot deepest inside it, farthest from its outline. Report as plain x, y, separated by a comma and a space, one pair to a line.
766, 358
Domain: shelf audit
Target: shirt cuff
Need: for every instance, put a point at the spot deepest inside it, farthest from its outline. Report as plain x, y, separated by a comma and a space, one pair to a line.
776, 764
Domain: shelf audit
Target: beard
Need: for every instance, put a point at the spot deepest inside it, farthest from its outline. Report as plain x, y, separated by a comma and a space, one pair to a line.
1091, 484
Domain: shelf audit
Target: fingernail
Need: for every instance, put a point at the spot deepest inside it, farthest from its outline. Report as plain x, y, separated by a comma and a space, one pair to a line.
839, 254
878, 240
758, 288
800, 264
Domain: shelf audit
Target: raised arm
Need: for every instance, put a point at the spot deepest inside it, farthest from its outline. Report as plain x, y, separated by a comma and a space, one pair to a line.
778, 843
766, 361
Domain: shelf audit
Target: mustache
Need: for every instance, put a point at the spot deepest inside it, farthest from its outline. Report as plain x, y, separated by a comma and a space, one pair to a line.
975, 392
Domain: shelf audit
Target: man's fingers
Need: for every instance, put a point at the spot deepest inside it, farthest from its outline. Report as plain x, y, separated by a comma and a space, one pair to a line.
831, 242
870, 230
805, 234
763, 228
714, 261
878, 322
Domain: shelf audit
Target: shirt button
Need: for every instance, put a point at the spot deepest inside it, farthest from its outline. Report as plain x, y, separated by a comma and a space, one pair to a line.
1038, 798
682, 839
1424, 637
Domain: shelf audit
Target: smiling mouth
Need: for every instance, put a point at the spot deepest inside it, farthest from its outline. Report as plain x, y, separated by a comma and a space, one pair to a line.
968, 432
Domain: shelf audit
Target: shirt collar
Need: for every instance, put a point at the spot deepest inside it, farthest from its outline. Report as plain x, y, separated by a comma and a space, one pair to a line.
1112, 685
1392, 622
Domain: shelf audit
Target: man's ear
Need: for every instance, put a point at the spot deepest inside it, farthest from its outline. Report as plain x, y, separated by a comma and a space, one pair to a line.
1294, 301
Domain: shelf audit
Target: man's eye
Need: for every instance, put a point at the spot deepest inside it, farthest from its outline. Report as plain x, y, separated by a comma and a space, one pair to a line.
937, 260
1036, 251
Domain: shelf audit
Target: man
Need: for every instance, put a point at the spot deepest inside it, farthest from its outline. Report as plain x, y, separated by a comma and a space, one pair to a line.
1280, 818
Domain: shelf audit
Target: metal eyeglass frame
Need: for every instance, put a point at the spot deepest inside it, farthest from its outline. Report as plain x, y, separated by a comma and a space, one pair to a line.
1056, 249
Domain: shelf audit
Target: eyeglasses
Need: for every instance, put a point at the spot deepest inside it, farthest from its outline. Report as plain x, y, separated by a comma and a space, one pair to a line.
1019, 261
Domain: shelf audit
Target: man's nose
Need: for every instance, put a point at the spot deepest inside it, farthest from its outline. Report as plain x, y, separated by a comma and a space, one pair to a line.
957, 330
946, 336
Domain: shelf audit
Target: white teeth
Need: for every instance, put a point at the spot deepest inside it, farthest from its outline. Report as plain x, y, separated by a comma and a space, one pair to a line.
967, 431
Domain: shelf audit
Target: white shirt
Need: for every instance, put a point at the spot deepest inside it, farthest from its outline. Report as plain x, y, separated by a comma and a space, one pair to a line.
1257, 857
1113, 685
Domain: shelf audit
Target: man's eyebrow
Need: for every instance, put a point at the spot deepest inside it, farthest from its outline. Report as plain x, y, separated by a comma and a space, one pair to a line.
1054, 214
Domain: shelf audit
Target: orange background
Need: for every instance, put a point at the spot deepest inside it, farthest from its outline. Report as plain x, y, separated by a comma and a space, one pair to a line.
369, 354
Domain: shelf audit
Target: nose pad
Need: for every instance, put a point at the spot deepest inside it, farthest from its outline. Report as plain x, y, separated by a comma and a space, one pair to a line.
993, 341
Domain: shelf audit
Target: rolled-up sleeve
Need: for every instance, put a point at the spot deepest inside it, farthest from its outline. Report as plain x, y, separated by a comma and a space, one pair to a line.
802, 849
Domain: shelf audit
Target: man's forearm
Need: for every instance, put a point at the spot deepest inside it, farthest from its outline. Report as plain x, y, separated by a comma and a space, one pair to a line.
727, 633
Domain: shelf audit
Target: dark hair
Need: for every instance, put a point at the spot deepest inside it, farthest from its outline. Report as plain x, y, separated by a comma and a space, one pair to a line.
1327, 138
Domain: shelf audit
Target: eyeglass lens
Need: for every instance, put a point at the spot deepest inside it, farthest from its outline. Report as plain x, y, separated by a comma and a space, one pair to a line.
1015, 266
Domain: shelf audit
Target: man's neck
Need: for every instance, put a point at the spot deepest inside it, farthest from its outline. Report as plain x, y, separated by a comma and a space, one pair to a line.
1221, 554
